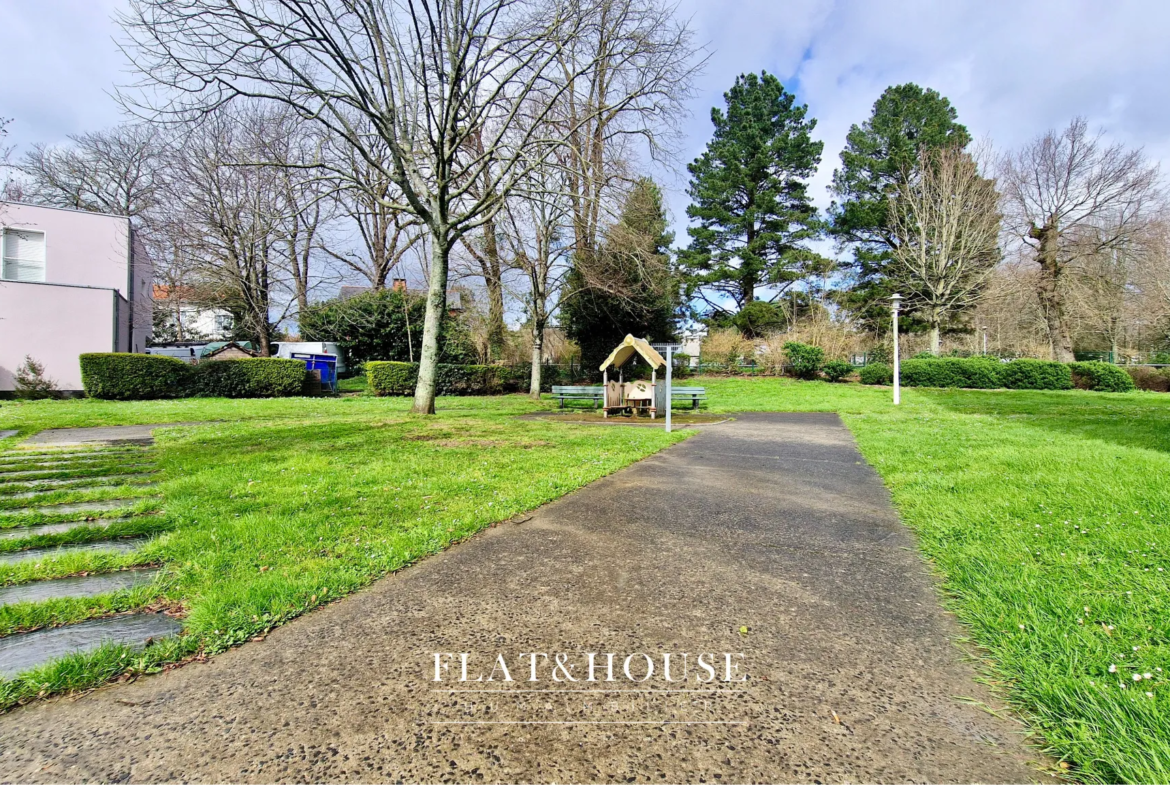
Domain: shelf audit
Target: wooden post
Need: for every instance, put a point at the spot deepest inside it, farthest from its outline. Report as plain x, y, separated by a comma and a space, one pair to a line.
653, 385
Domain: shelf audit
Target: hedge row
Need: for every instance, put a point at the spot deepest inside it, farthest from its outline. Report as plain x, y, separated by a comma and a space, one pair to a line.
135, 377
1100, 376
395, 378
1153, 379
984, 374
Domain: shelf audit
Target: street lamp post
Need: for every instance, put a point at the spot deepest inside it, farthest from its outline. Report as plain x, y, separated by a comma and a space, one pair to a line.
895, 305
985, 340
669, 368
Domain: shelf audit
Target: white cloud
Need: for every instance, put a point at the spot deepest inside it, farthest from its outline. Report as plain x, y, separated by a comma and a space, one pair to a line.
1012, 68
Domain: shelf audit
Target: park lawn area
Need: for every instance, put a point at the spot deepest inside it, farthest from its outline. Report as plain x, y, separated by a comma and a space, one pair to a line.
1047, 517
280, 506
1043, 513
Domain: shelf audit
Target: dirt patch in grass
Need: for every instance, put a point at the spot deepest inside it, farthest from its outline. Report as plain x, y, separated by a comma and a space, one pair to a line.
439, 441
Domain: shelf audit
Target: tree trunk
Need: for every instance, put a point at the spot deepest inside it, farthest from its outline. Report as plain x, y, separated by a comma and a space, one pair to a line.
424, 390
493, 280
537, 359
1048, 290
935, 347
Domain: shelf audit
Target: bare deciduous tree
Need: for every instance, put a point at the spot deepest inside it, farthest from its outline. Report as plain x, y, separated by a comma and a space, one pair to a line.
537, 228
947, 222
1068, 194
423, 76
114, 171
628, 72
232, 220
368, 198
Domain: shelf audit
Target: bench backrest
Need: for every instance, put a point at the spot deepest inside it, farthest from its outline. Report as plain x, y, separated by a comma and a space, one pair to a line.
688, 390
557, 390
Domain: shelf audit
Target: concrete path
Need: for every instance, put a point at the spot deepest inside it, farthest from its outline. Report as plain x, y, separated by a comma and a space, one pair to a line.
772, 522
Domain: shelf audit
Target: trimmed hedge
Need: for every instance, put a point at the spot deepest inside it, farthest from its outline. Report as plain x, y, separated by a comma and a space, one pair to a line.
1100, 376
120, 376
396, 378
970, 373
137, 377
1152, 379
876, 373
252, 377
1027, 374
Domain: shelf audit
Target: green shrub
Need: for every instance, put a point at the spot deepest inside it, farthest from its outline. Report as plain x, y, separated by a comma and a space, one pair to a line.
1099, 376
971, 373
877, 373
394, 378
1153, 379
119, 376
805, 360
252, 377
31, 383
375, 326
836, 370
391, 378
1025, 374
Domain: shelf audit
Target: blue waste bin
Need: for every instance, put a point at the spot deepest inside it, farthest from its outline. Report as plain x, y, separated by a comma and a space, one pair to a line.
324, 364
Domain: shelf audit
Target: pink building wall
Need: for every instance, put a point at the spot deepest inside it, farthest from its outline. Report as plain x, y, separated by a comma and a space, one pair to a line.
97, 286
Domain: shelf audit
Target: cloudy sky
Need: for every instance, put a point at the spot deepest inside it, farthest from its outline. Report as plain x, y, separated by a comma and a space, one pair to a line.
1012, 68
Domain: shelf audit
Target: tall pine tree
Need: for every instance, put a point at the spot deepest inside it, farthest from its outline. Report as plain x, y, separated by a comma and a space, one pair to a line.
878, 154
750, 200
628, 286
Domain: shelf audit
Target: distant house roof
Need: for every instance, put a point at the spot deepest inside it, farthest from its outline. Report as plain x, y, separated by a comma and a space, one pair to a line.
454, 296
353, 291
222, 347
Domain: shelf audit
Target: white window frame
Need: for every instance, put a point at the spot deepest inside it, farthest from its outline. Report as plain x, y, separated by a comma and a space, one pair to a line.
4, 252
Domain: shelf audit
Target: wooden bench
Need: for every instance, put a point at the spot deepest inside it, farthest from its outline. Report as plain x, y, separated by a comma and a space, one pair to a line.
695, 394
595, 395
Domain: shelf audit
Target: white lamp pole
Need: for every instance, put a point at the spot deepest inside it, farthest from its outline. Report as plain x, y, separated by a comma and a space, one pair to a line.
895, 303
669, 368
985, 340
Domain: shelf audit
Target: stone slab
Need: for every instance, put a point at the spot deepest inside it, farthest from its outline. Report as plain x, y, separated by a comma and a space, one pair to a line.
37, 554
22, 652
104, 505
104, 480
20, 532
78, 489
142, 434
56, 469
82, 586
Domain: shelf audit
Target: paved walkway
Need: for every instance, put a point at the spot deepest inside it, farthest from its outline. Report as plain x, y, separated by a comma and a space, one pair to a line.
772, 522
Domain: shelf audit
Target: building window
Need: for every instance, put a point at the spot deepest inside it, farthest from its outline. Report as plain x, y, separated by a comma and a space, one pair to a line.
24, 255
223, 322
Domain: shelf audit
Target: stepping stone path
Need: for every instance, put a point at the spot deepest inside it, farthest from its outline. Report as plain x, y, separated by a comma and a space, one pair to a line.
60, 457
21, 652
81, 586
36, 554
104, 505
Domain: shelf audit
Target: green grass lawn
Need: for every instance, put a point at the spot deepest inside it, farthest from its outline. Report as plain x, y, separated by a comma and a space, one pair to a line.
1043, 513
1046, 516
283, 505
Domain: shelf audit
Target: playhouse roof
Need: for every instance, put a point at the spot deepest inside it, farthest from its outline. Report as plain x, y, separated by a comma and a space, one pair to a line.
627, 349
